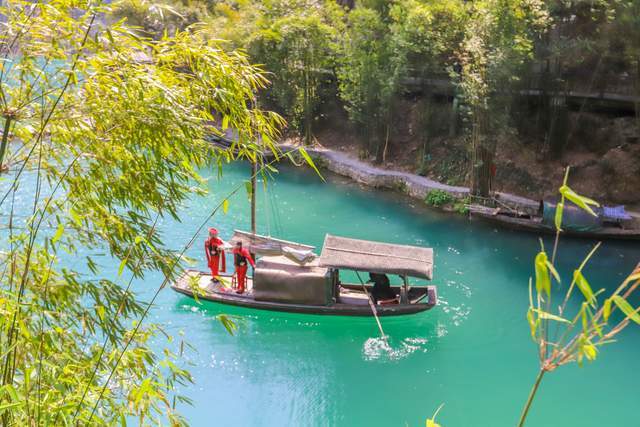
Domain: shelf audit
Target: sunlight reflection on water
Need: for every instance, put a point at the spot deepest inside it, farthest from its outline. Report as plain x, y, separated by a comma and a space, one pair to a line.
385, 349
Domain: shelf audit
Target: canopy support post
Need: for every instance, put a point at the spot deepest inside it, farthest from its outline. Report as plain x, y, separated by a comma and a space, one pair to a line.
404, 291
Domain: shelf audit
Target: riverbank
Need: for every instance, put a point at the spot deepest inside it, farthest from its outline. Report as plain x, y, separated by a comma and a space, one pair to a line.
414, 186
603, 151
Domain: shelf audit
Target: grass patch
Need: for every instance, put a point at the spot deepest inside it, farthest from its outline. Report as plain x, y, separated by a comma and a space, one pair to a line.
438, 198
460, 205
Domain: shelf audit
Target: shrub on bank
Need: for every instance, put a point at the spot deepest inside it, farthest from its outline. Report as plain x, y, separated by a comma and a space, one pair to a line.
438, 198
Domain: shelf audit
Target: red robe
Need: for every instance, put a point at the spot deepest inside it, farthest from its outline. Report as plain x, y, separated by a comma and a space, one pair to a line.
215, 255
240, 259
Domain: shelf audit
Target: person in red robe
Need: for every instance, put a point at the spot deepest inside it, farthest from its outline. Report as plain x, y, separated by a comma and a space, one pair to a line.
213, 247
241, 259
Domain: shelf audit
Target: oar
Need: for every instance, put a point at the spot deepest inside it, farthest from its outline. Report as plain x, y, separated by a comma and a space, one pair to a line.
373, 307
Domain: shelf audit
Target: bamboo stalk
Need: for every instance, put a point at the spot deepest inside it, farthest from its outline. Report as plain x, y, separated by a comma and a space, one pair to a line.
5, 139
532, 394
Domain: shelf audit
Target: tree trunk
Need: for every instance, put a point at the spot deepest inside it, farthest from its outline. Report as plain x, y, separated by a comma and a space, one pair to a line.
637, 101
483, 149
558, 131
379, 148
454, 117
383, 127
307, 110
386, 145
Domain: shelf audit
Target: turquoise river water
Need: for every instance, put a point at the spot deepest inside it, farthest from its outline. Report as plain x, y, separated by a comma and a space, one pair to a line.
472, 352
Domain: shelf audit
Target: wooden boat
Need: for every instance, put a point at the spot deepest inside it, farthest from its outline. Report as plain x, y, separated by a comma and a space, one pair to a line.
290, 277
314, 287
536, 223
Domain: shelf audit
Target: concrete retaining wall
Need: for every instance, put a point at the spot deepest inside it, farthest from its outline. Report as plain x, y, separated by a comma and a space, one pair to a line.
415, 186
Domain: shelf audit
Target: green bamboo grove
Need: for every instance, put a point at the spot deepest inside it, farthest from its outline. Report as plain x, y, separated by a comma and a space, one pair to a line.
368, 55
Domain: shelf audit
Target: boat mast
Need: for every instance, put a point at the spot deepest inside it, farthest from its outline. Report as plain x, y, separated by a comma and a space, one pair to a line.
254, 172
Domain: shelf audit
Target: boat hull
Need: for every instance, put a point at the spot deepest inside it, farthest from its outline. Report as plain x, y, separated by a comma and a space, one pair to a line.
336, 309
535, 226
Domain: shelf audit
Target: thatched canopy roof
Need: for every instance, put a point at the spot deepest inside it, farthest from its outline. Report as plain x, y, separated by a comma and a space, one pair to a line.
376, 257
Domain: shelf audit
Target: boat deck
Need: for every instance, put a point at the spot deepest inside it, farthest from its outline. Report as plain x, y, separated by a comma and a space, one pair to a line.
197, 284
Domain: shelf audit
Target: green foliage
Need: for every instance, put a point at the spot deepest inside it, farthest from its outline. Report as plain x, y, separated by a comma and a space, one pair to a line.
374, 53
154, 18
103, 145
295, 41
425, 36
438, 198
461, 205
367, 81
498, 45
299, 48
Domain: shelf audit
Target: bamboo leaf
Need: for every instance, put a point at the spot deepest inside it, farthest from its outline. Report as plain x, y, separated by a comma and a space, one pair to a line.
588, 350
309, 160
543, 283
123, 264
248, 187
109, 35
533, 323
100, 311
553, 271
229, 324
558, 216
582, 202
9, 405
225, 206
76, 217
12, 392
626, 308
584, 287
58, 234
548, 316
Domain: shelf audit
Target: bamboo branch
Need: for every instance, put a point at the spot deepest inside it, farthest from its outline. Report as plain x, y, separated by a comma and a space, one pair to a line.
5, 139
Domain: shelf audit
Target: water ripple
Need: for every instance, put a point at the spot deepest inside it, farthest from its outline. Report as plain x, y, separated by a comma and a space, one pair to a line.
381, 349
